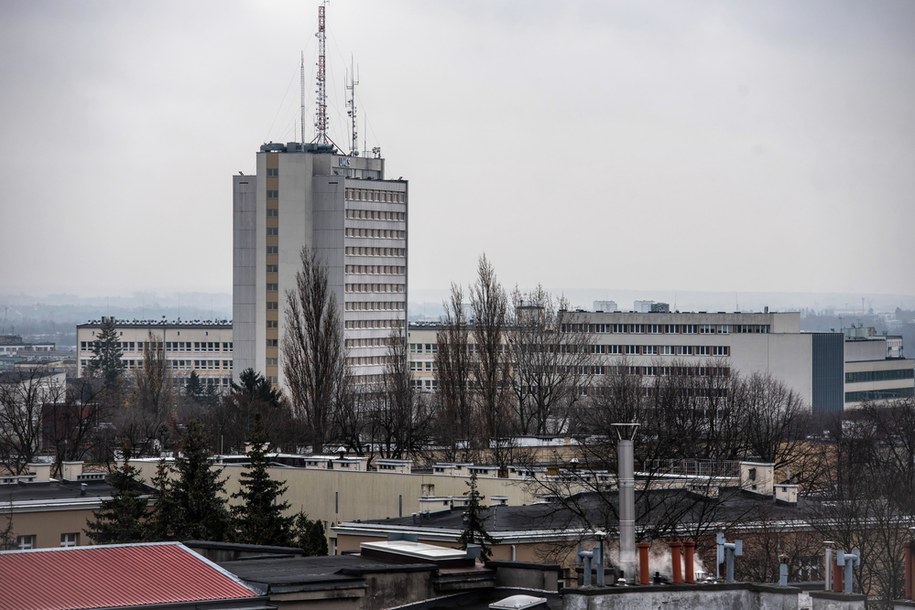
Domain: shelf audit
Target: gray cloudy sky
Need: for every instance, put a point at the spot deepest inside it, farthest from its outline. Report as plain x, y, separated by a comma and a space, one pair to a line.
728, 146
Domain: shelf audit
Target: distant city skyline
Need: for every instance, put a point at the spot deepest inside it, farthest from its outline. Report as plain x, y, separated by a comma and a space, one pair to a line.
622, 146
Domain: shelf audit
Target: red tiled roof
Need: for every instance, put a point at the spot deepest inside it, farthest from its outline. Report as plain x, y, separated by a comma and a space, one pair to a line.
105, 576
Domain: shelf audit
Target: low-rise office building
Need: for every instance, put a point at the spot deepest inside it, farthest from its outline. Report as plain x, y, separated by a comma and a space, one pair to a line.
827, 371
204, 347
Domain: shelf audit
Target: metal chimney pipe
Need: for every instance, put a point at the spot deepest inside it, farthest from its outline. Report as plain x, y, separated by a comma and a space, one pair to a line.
643, 562
626, 477
907, 563
689, 553
675, 562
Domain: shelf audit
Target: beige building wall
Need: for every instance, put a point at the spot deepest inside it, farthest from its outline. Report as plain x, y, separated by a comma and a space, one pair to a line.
204, 348
333, 496
49, 525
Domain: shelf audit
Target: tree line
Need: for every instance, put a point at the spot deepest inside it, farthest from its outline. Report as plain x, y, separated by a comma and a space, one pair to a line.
188, 501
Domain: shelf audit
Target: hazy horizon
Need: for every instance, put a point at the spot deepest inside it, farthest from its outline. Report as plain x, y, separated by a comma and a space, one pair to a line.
700, 146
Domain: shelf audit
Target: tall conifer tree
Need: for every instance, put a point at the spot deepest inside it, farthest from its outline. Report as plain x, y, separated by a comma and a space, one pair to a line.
260, 516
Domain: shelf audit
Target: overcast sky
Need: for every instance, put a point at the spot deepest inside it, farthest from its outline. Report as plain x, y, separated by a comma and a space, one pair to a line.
725, 146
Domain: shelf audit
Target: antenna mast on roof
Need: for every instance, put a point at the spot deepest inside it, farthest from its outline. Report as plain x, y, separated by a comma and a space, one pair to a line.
302, 95
321, 88
351, 83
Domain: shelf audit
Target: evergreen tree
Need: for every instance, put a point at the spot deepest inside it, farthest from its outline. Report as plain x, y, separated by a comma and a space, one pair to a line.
122, 518
194, 388
259, 518
474, 528
198, 510
106, 355
309, 535
164, 514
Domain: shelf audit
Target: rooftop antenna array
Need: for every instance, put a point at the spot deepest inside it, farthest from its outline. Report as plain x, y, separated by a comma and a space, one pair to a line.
302, 95
351, 83
321, 85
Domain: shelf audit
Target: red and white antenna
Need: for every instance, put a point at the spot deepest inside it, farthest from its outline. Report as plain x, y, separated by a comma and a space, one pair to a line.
321, 85
350, 86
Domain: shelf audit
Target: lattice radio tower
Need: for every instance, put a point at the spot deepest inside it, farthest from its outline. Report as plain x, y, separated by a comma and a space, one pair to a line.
321, 83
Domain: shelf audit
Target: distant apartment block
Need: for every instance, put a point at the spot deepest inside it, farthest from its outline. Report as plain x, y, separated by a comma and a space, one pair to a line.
827, 371
13, 345
204, 347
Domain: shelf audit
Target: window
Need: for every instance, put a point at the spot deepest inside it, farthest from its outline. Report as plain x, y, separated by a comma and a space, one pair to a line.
272, 287
71, 539
273, 171
273, 194
24, 543
273, 231
273, 268
273, 305
273, 249
273, 212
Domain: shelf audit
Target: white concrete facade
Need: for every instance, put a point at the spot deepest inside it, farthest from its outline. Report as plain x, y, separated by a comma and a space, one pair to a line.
202, 347
650, 343
356, 222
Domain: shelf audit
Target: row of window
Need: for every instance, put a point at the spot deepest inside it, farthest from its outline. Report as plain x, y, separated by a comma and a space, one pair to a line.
375, 233
370, 342
429, 385
879, 394
423, 348
374, 251
368, 360
663, 350
667, 329
375, 269
375, 215
422, 366
889, 375
375, 195
374, 287
170, 346
366, 324
375, 306
30, 541
184, 365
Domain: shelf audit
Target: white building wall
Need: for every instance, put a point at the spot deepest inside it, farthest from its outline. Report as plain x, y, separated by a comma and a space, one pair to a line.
244, 272
204, 348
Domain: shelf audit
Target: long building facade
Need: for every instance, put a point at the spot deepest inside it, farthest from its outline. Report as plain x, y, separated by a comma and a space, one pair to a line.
827, 372
202, 347
355, 220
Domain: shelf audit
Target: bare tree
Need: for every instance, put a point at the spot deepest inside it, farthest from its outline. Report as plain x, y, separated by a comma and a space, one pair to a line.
148, 421
550, 363
70, 429
401, 423
868, 494
22, 395
457, 428
676, 415
492, 364
314, 362
774, 418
